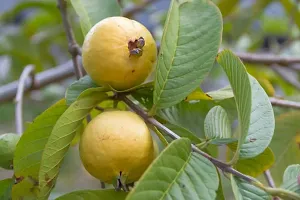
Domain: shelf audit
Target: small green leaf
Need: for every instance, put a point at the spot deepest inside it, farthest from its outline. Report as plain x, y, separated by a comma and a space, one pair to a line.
221, 94
8, 143
291, 178
198, 94
187, 53
94, 195
257, 165
6, 188
284, 143
292, 9
222, 141
187, 115
89, 12
240, 84
61, 137
76, 88
246, 191
177, 173
217, 124
144, 96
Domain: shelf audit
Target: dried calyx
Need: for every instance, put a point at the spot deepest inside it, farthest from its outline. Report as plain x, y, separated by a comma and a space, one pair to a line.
136, 47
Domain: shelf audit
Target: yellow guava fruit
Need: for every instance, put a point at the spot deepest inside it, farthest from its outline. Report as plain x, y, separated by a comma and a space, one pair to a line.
116, 143
119, 52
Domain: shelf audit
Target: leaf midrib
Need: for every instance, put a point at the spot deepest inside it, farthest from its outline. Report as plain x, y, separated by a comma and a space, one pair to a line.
163, 39
179, 173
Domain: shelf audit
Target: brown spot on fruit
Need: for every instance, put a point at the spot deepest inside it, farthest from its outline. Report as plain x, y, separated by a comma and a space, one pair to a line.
133, 71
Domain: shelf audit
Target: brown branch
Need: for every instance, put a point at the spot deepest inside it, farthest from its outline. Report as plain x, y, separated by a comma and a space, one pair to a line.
61, 72
131, 11
74, 48
267, 59
285, 74
270, 181
27, 72
284, 103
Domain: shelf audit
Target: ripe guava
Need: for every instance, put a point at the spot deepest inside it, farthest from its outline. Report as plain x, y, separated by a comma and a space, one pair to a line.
119, 52
116, 143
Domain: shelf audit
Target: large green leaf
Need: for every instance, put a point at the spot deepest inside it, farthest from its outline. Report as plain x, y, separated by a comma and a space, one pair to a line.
291, 178
190, 43
92, 11
240, 84
61, 137
284, 143
257, 165
28, 153
183, 132
217, 124
5, 188
187, 115
178, 173
77, 87
94, 195
262, 123
245, 191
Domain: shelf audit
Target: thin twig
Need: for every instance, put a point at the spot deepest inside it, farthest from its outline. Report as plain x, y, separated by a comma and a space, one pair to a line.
287, 75
74, 48
28, 71
267, 59
284, 103
131, 11
270, 181
269, 178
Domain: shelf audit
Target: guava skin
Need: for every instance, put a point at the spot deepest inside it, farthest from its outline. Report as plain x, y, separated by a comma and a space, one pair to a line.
114, 143
109, 58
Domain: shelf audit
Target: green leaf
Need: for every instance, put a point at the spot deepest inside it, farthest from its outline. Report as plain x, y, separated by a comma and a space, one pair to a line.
177, 173
8, 142
77, 87
187, 115
187, 53
291, 178
30, 147
144, 96
221, 94
284, 143
262, 122
94, 195
217, 124
257, 165
182, 132
240, 84
92, 11
222, 141
198, 94
61, 137
5, 188
245, 191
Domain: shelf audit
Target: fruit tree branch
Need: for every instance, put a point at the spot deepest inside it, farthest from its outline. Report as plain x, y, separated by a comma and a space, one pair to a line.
284, 103
267, 59
74, 48
28, 71
219, 164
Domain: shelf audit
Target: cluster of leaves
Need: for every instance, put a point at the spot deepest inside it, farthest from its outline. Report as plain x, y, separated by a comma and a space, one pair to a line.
208, 120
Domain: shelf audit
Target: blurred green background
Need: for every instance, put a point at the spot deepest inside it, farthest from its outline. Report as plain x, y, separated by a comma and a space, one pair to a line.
31, 32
